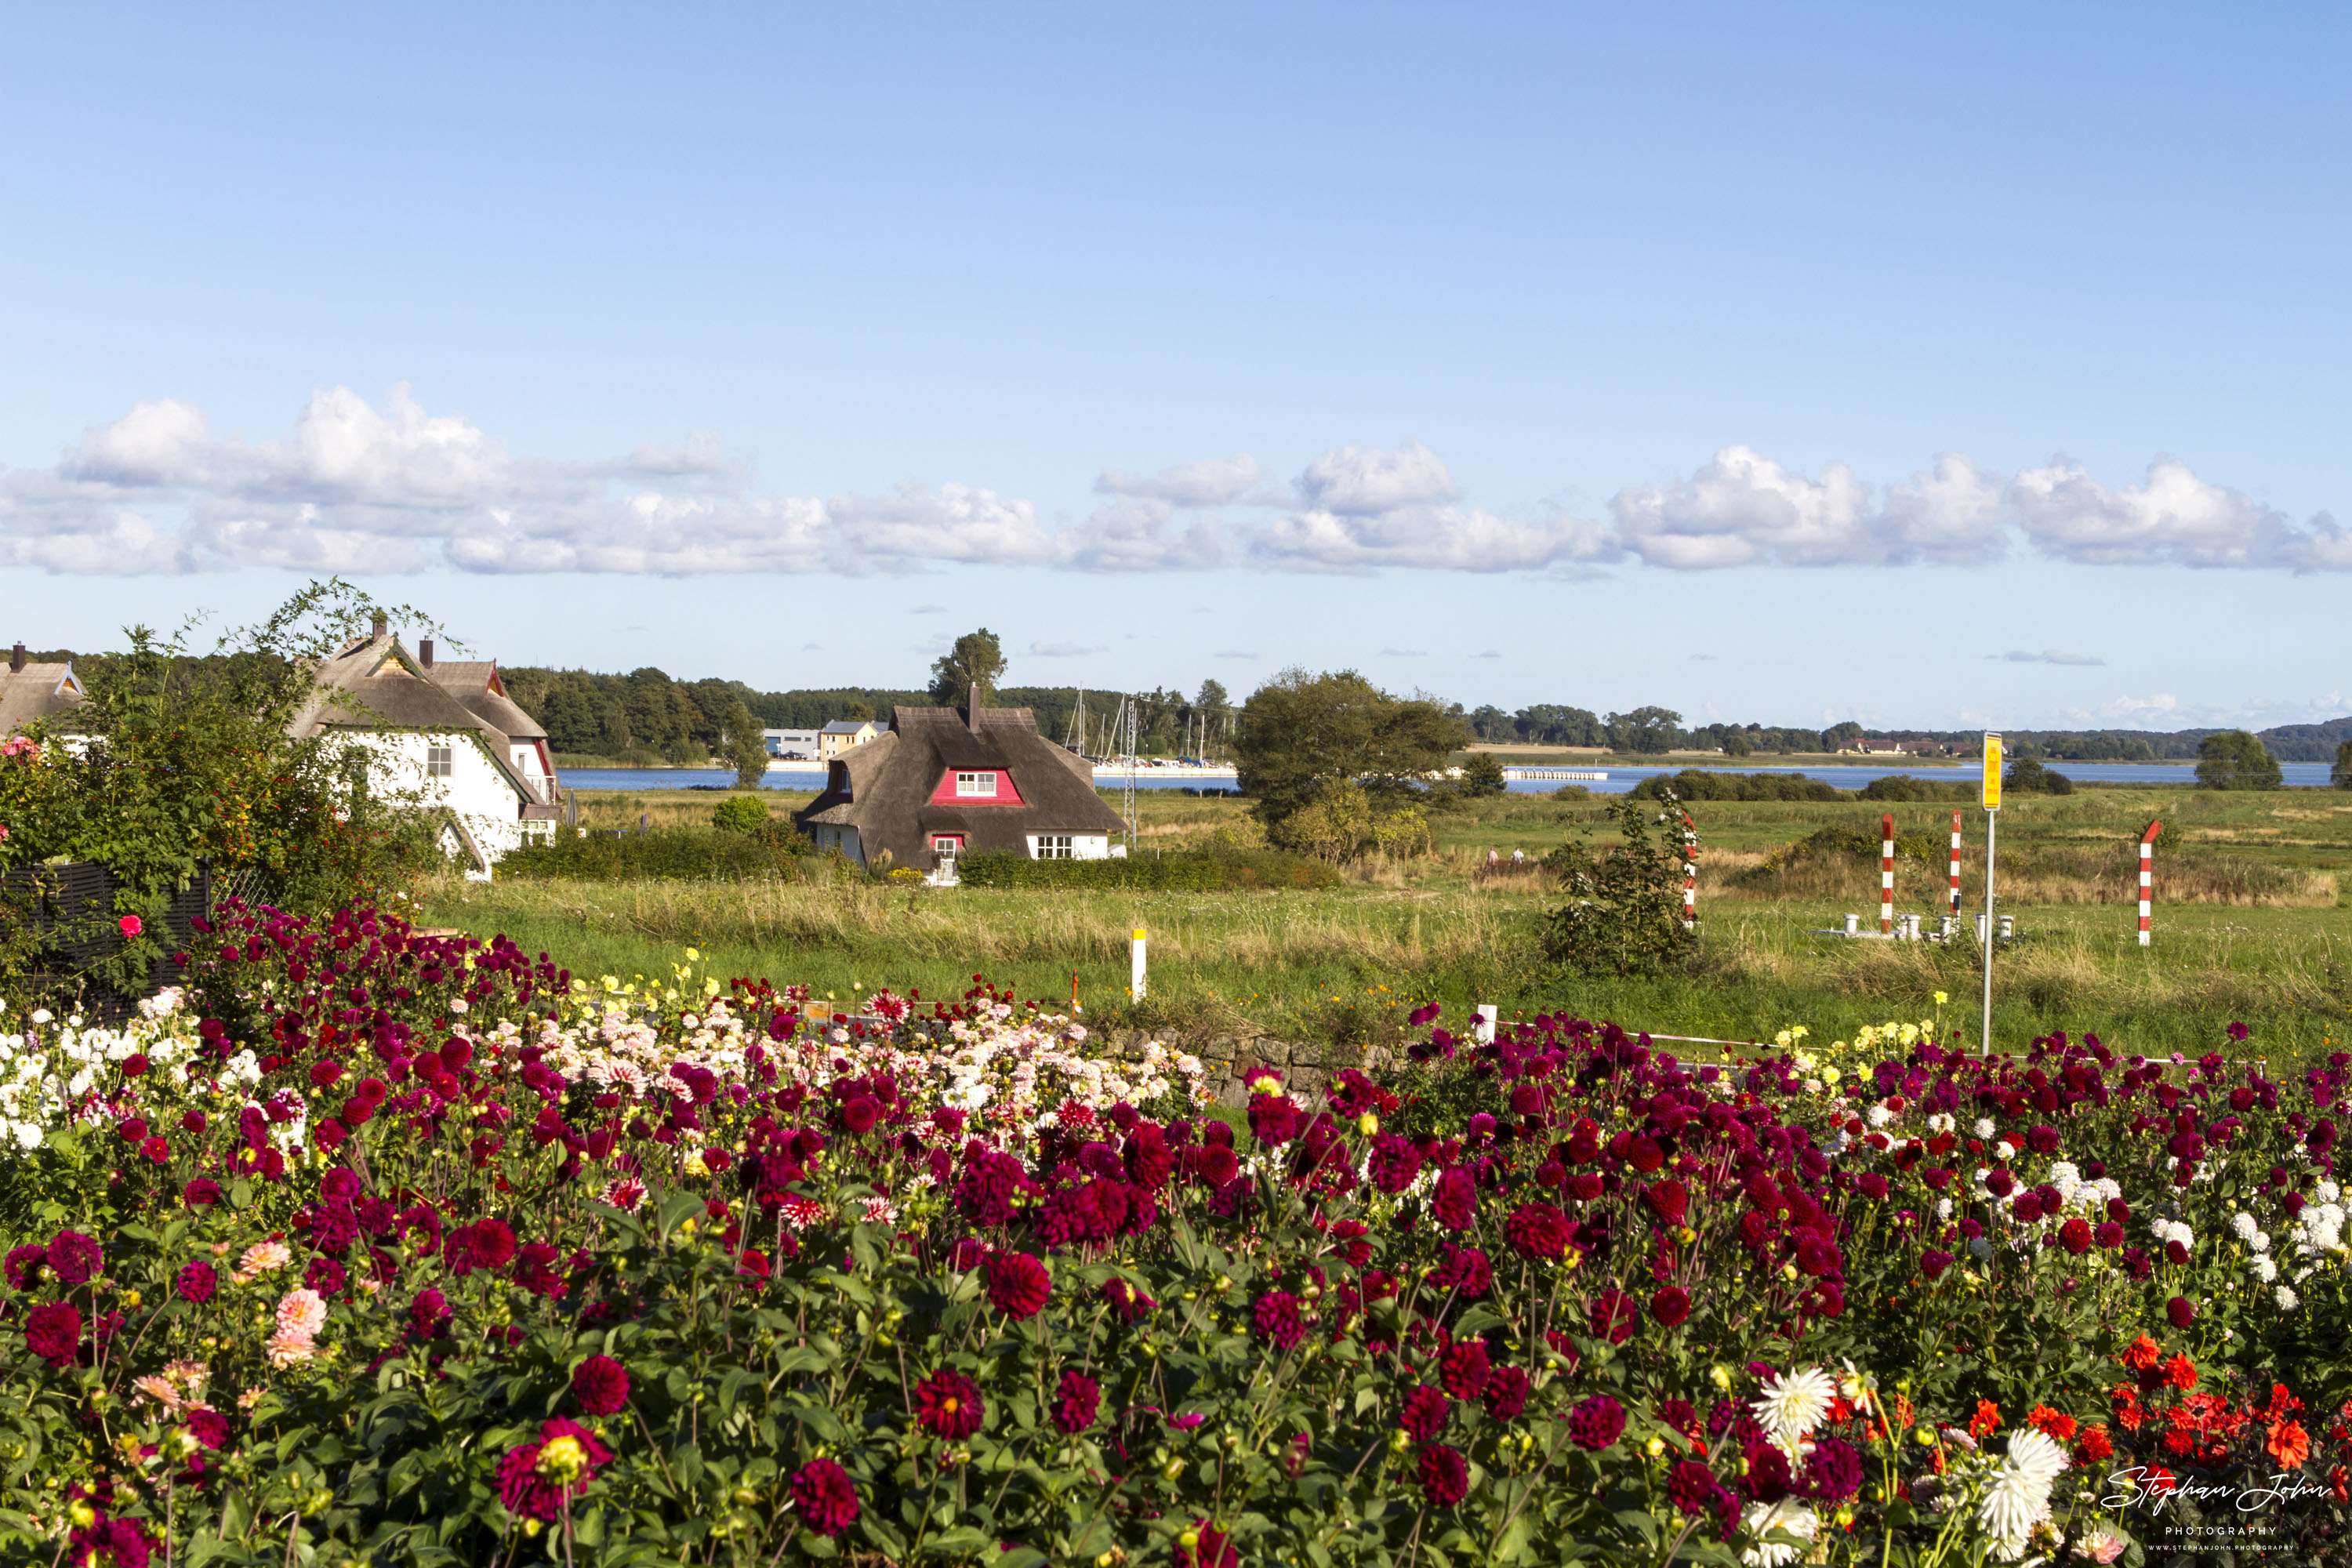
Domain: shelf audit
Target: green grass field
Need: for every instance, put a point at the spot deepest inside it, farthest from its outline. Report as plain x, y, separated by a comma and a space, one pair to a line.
2252, 924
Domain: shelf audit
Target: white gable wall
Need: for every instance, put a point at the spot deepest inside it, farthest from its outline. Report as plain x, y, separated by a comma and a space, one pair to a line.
474, 789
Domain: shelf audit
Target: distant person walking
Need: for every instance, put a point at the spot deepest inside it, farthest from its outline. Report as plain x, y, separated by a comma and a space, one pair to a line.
1494, 859
1518, 859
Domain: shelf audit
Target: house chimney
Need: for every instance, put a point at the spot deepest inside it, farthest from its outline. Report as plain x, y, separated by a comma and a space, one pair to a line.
383, 623
971, 709
424, 652
17, 659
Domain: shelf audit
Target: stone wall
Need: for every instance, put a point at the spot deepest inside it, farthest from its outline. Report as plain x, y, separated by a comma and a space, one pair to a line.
1305, 1069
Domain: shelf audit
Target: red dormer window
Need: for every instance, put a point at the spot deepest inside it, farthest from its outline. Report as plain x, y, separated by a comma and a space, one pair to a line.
976, 786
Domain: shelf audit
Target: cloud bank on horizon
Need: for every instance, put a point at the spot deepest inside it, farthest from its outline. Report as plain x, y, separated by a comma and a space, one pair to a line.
359, 490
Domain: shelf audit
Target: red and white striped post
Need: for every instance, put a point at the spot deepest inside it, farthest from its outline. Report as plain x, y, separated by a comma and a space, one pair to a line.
1956, 865
2146, 876
1886, 875
1690, 873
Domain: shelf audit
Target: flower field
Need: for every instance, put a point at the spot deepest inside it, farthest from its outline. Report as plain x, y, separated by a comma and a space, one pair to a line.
370, 1245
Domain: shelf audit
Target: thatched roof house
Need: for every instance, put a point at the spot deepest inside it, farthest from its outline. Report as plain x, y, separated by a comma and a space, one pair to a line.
947, 782
30, 690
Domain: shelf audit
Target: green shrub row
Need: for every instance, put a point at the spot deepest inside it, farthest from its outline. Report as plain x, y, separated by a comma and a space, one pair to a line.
682, 854
1185, 873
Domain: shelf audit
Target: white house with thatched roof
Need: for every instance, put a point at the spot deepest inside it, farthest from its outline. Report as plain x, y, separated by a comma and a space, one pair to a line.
943, 783
446, 733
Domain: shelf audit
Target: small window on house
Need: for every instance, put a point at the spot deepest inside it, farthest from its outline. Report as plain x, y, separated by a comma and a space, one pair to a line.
436, 761
976, 783
946, 848
1054, 847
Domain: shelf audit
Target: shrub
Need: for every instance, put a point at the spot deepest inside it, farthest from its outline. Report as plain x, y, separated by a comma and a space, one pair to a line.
683, 854
1896, 788
1481, 776
2340, 776
2234, 759
1220, 871
740, 814
2026, 775
1623, 914
1706, 784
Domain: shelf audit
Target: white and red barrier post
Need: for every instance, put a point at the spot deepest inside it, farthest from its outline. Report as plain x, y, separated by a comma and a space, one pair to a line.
1956, 865
2146, 876
1886, 875
1690, 873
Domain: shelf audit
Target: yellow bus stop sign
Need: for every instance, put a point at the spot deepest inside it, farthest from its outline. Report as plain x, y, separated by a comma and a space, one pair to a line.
1992, 773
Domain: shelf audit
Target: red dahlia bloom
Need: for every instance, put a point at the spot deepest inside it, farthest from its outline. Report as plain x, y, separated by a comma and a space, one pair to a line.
1508, 1388
1444, 1477
1670, 1306
74, 1258
1538, 1232
1424, 1413
537, 1479
1456, 1199
1465, 1369
196, 1282
823, 1497
53, 1332
1078, 1398
1018, 1285
948, 1404
1596, 1423
600, 1386
1277, 1317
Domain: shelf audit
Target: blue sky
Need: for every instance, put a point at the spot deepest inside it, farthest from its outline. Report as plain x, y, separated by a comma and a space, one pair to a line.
1788, 364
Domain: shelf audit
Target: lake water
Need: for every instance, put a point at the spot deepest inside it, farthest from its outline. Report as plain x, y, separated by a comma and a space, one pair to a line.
2306, 775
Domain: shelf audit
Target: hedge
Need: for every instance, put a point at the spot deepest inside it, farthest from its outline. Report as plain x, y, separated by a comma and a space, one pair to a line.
1182, 873
684, 854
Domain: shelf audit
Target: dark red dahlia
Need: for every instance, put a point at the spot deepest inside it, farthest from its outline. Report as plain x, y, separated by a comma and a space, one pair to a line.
1018, 1285
1445, 1476
1596, 1423
1424, 1413
1078, 1398
53, 1332
1276, 1318
823, 1497
1506, 1392
1538, 1232
948, 1404
600, 1386
74, 1258
1465, 1369
1670, 1306
1456, 1199
196, 1283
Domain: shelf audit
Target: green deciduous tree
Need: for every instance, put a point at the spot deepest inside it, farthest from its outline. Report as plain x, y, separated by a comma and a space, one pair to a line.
2340, 776
1482, 775
745, 749
1623, 914
1645, 731
975, 662
2234, 759
1301, 731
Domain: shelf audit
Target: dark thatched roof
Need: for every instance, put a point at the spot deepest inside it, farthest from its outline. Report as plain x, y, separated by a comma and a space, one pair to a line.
884, 788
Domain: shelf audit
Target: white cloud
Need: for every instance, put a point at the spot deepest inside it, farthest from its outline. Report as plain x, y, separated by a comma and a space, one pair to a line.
1141, 535
1369, 481
366, 489
1064, 649
1743, 509
2175, 518
2047, 656
1404, 653
1209, 481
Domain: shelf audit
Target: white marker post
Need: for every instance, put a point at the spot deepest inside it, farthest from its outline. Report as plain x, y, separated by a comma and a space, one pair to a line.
1886, 875
1135, 966
1690, 873
2146, 876
1481, 1028
1991, 795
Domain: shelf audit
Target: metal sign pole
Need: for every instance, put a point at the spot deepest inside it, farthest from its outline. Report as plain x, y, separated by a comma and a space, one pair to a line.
1992, 795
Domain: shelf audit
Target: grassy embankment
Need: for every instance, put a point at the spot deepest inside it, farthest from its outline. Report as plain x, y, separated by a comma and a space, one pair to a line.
2251, 923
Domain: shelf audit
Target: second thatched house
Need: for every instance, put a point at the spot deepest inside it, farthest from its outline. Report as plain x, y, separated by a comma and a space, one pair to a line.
942, 782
